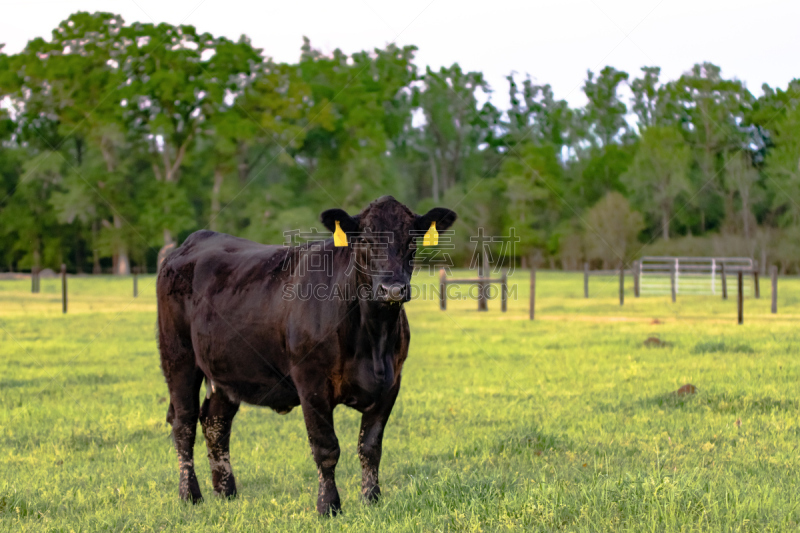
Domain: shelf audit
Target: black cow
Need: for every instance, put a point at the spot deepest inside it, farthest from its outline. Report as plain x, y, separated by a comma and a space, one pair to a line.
240, 315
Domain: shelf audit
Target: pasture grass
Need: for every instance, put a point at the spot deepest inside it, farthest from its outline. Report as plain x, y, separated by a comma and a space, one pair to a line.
566, 423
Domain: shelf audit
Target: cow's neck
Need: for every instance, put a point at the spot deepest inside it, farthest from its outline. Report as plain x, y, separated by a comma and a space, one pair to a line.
380, 328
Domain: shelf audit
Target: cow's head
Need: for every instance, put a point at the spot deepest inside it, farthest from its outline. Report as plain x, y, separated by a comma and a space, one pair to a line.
383, 240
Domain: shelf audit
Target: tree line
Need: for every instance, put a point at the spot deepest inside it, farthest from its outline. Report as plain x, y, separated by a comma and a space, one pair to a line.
118, 138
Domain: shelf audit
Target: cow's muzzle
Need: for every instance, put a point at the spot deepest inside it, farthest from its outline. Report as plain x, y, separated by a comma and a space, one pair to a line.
393, 293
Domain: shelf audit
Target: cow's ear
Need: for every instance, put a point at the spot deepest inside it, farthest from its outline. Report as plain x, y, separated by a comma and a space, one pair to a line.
346, 222
443, 217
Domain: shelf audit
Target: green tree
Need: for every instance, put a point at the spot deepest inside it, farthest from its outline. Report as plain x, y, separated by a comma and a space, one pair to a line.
532, 177
535, 115
659, 173
783, 167
612, 229
741, 181
646, 101
456, 126
605, 112
711, 110
601, 170
167, 100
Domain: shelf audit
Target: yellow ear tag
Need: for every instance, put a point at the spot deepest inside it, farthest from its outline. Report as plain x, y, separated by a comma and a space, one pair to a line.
339, 236
431, 238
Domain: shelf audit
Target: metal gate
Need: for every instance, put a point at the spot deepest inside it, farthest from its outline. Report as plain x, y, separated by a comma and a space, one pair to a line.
693, 275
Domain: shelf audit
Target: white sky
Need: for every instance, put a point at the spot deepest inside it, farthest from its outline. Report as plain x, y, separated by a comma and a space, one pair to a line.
554, 41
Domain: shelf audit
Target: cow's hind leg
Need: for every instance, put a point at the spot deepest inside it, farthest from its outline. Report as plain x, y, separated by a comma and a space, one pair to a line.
185, 399
216, 417
370, 444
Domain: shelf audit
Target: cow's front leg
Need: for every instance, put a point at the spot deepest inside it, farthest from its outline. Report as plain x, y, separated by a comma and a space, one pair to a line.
318, 414
370, 444
216, 417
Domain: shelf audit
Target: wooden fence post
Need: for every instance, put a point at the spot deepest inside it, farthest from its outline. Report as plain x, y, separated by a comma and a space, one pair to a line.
637, 272
621, 283
756, 284
442, 289
63, 288
586, 280
533, 291
482, 267
740, 296
774, 272
135, 282
672, 281
724, 282
504, 291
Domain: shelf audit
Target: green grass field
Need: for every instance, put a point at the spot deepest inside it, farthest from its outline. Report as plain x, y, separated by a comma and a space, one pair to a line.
562, 424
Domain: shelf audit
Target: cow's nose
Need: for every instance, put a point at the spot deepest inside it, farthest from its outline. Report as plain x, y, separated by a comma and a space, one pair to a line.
395, 292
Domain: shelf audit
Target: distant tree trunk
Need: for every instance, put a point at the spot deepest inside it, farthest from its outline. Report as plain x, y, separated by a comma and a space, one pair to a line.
744, 193
665, 223
37, 256
167, 237
213, 224
95, 253
123, 266
78, 256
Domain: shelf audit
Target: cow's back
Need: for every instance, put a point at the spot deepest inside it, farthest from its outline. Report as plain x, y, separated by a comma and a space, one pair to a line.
220, 296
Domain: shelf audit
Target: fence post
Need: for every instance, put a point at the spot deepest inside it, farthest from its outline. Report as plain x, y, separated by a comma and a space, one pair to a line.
442, 289
637, 271
740, 296
63, 288
586, 279
774, 272
482, 267
672, 281
724, 282
135, 282
756, 284
533, 291
504, 291
621, 283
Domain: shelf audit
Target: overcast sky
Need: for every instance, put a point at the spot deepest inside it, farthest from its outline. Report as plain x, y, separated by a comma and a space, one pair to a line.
554, 41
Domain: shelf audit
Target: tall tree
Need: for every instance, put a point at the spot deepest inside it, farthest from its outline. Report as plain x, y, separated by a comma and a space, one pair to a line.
167, 99
659, 173
605, 112
536, 115
783, 167
457, 127
646, 91
532, 176
741, 179
711, 109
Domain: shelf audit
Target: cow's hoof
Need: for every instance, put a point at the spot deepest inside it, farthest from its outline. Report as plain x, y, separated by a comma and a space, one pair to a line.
193, 499
329, 508
226, 494
371, 494
193, 496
